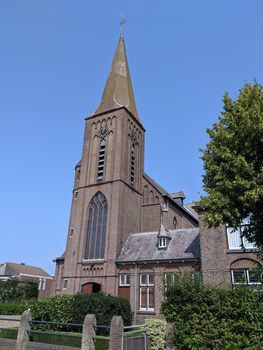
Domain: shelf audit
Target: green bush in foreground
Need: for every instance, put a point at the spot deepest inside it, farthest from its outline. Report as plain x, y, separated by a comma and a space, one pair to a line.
214, 318
155, 330
14, 308
74, 308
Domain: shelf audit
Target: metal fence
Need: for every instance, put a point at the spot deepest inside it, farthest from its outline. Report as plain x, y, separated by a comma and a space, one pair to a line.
134, 338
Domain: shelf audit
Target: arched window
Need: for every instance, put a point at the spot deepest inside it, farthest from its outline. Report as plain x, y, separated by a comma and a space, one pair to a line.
101, 160
96, 232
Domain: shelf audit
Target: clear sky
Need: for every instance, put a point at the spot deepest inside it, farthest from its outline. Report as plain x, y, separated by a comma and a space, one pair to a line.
55, 56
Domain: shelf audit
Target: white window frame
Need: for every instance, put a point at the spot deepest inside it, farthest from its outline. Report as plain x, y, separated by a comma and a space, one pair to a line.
146, 285
44, 284
246, 277
239, 237
125, 280
162, 242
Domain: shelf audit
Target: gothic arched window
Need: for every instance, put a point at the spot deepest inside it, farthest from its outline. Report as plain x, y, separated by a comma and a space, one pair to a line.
96, 232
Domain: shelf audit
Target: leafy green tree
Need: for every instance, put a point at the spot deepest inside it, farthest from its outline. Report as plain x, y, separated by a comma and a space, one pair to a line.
233, 164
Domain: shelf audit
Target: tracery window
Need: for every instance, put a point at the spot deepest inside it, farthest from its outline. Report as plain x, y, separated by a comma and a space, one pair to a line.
96, 231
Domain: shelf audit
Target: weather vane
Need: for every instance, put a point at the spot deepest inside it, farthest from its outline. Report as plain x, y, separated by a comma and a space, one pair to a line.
122, 23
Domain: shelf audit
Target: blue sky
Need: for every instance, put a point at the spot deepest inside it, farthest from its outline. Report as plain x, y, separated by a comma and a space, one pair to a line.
55, 56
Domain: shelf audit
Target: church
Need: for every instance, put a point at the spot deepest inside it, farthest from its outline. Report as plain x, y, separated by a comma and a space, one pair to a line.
127, 235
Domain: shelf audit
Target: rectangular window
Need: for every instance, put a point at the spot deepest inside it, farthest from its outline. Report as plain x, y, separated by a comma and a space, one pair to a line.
124, 280
236, 240
65, 284
44, 284
245, 276
146, 296
162, 242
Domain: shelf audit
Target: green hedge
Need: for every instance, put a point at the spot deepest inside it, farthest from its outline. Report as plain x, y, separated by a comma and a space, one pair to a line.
14, 308
73, 308
213, 318
14, 290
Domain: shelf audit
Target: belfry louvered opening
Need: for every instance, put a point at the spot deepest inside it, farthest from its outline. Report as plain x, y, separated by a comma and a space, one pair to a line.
132, 174
101, 160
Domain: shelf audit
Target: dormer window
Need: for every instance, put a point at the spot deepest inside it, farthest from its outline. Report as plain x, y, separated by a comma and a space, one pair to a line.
162, 242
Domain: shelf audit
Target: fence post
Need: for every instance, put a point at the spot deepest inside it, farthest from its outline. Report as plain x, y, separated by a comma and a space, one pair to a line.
24, 326
116, 332
169, 336
87, 342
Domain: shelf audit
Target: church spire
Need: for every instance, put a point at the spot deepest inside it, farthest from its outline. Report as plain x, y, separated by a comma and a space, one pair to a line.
118, 90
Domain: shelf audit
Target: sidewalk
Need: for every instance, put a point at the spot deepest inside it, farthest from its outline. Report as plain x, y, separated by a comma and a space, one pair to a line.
9, 324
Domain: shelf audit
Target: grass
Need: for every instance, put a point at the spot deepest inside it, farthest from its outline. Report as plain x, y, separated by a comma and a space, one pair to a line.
67, 339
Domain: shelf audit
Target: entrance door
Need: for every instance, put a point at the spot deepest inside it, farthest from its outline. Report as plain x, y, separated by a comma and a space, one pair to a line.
89, 288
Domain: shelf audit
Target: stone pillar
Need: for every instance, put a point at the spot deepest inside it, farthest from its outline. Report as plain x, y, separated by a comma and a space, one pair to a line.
23, 336
88, 333
169, 337
116, 332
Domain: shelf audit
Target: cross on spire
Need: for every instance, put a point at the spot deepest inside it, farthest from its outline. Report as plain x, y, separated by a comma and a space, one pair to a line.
122, 23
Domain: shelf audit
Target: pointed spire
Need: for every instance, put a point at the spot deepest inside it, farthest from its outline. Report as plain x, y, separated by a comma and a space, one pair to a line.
118, 90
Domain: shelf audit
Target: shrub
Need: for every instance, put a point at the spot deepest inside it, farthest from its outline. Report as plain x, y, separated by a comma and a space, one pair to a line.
155, 330
14, 308
214, 318
73, 308
16, 290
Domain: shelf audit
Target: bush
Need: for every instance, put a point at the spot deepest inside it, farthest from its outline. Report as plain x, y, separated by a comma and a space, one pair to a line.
14, 290
155, 330
14, 308
214, 318
73, 308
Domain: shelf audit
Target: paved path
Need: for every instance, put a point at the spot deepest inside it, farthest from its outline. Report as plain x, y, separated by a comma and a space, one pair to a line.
9, 321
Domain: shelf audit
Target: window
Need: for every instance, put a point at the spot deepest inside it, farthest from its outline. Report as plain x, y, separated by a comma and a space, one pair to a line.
132, 164
96, 230
65, 284
76, 194
245, 276
101, 160
146, 292
171, 277
71, 232
124, 280
162, 242
236, 239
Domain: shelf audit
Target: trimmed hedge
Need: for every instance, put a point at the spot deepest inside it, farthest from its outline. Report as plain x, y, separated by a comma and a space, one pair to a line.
14, 308
74, 308
214, 318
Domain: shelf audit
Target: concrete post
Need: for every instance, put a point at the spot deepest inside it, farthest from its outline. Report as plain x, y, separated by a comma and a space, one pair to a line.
116, 331
169, 337
23, 336
88, 332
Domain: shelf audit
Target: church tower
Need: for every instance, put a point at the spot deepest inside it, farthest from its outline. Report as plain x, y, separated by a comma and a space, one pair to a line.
107, 194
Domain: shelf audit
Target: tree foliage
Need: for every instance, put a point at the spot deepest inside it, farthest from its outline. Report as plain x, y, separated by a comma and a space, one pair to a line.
233, 164
214, 318
14, 290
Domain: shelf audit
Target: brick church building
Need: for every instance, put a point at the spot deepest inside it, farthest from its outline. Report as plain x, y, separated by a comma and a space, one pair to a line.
127, 235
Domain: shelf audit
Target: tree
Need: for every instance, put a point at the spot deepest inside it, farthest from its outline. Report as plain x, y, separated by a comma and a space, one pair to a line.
233, 164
